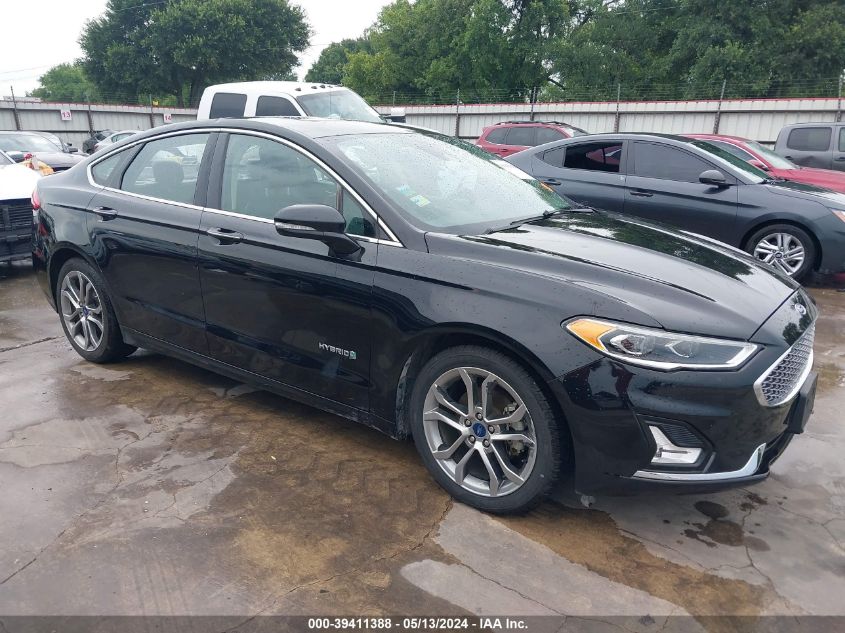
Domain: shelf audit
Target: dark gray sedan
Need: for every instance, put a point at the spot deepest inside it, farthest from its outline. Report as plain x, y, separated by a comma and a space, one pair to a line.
700, 188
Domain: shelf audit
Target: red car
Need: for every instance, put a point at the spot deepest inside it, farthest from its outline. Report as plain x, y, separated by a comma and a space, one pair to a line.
510, 137
779, 167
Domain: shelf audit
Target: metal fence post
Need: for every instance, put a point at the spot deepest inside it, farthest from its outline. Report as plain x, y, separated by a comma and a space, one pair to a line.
618, 115
15, 112
719, 108
533, 98
152, 116
839, 98
90, 116
458, 114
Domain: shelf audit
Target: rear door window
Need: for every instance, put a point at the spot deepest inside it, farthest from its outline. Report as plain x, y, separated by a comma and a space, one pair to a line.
809, 139
227, 105
167, 168
842, 139
275, 106
523, 135
594, 156
554, 157
497, 136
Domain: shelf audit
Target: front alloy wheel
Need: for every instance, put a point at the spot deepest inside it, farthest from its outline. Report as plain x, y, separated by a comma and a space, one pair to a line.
781, 250
485, 430
479, 431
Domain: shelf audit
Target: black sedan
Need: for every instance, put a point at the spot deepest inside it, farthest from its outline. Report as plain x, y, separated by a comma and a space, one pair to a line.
19, 144
698, 187
413, 283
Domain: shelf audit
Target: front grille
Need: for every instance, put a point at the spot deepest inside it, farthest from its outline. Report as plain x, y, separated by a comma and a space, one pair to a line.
783, 379
15, 214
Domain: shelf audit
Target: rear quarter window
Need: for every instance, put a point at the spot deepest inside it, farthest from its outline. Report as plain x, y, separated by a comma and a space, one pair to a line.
227, 105
809, 139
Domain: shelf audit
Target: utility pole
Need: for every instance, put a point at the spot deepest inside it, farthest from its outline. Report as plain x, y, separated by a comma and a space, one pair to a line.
839, 98
152, 116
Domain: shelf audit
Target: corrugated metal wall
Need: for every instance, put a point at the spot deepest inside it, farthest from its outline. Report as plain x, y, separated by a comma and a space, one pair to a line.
758, 119
47, 117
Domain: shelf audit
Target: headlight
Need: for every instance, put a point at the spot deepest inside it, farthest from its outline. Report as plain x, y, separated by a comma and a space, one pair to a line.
839, 213
660, 349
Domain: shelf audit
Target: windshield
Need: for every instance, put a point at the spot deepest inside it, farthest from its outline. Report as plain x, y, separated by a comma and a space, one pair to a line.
775, 160
338, 104
25, 143
757, 176
443, 184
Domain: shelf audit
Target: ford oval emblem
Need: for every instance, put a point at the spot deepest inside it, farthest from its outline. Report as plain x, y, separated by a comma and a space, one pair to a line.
800, 309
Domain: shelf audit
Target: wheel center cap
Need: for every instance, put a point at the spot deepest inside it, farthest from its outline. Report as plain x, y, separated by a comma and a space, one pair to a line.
479, 429
779, 255
84, 310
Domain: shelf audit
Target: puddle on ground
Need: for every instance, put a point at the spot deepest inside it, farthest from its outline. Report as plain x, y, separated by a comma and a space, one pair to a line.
591, 538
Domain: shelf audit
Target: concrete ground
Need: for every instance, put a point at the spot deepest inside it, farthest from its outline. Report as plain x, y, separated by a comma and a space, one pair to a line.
151, 487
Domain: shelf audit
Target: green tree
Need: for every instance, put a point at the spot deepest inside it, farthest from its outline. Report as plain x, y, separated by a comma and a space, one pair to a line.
65, 82
178, 47
328, 68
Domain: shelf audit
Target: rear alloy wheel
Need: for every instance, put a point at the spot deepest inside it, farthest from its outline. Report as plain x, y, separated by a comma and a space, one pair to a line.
87, 315
785, 247
485, 430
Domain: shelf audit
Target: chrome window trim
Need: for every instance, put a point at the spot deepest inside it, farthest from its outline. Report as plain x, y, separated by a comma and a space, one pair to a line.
747, 470
758, 384
393, 241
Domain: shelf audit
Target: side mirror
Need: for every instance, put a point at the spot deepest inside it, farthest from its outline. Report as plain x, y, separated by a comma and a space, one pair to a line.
759, 164
72, 150
713, 177
316, 222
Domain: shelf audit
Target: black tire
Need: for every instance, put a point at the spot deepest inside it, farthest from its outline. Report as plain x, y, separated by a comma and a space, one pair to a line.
551, 440
111, 347
807, 242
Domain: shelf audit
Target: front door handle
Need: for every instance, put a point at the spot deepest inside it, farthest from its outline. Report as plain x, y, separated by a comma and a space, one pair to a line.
552, 182
840, 158
226, 236
105, 213
641, 193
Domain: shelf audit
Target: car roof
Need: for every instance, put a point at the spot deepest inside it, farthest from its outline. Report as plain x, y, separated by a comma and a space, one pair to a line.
290, 87
315, 127
813, 124
718, 137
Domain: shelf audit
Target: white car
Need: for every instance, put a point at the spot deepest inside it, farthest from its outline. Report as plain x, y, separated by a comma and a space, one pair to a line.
112, 138
17, 183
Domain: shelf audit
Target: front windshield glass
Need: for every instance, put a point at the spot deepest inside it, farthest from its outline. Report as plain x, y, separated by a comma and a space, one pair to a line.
775, 160
25, 143
439, 183
755, 175
338, 104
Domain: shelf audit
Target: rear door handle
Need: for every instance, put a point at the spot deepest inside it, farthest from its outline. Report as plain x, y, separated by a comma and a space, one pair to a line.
641, 194
226, 236
553, 182
105, 213
840, 158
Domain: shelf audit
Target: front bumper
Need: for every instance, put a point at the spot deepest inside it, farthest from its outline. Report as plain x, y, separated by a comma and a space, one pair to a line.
611, 407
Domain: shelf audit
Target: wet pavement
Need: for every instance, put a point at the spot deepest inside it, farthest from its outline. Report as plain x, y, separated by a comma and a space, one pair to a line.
151, 487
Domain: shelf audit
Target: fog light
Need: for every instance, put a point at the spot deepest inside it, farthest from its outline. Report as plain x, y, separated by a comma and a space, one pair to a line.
668, 453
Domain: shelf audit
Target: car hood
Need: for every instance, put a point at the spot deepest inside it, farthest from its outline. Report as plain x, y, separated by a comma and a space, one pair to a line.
821, 177
59, 159
17, 182
806, 191
684, 282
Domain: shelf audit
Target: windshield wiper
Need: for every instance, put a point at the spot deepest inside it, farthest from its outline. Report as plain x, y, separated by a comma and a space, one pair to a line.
532, 218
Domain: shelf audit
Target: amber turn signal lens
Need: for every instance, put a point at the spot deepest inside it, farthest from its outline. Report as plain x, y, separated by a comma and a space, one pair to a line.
589, 331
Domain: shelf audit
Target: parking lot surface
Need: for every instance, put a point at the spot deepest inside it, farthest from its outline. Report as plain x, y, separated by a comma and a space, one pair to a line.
150, 487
